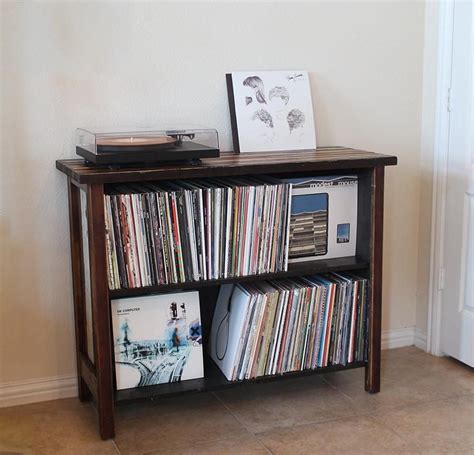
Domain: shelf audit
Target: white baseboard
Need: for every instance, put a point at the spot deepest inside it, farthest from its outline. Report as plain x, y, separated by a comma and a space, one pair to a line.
398, 338
421, 340
408, 336
54, 388
33, 391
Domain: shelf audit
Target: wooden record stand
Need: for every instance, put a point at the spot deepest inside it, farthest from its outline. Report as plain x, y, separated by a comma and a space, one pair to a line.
96, 378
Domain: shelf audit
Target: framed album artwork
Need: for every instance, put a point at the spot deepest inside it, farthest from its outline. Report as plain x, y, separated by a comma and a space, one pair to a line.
271, 111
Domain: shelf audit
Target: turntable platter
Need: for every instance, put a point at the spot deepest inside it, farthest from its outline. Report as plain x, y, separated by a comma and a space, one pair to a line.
134, 144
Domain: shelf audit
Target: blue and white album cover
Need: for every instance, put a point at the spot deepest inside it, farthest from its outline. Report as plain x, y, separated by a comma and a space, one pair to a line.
157, 339
323, 222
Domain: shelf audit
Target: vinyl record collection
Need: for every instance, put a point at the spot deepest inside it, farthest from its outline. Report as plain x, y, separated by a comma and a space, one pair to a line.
181, 231
274, 327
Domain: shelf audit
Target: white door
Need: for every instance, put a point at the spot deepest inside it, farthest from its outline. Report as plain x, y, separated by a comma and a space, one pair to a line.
457, 315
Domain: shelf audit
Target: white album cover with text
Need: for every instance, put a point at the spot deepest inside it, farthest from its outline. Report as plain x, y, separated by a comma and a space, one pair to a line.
157, 339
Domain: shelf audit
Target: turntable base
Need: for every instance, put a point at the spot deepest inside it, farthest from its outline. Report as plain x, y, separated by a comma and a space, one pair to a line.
185, 151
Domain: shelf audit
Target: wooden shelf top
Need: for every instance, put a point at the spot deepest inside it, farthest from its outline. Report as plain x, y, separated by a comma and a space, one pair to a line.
229, 163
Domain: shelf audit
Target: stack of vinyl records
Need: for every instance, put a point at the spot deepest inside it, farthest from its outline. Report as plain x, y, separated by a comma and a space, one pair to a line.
275, 327
181, 231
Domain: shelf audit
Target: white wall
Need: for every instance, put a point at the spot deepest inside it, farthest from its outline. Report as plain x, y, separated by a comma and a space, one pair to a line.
66, 65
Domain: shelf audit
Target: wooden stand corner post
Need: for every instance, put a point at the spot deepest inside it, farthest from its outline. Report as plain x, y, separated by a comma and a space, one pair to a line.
102, 333
75, 229
372, 369
94, 379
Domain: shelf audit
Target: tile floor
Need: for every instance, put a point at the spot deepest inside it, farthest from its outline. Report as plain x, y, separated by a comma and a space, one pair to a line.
426, 406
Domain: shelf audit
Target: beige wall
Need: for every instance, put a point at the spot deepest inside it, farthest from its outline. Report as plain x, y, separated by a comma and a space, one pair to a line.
69, 65
430, 72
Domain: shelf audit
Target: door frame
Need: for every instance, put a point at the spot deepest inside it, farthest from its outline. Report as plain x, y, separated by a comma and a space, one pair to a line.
440, 166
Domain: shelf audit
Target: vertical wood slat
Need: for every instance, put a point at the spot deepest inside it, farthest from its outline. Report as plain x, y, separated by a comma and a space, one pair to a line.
75, 230
101, 311
78, 284
372, 371
364, 216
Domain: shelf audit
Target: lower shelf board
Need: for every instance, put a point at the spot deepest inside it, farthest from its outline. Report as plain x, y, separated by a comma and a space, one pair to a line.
214, 380
349, 263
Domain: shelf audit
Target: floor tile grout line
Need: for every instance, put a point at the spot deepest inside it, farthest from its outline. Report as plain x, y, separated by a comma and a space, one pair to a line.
310, 422
263, 444
258, 432
116, 447
468, 394
390, 409
230, 412
393, 408
345, 395
379, 422
414, 404
207, 441
212, 440
328, 382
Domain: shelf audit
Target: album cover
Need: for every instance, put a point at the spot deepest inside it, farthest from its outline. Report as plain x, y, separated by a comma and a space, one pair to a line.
323, 220
227, 326
157, 339
308, 225
271, 111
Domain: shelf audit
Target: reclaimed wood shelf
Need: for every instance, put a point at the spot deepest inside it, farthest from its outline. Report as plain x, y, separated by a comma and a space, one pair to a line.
229, 163
96, 372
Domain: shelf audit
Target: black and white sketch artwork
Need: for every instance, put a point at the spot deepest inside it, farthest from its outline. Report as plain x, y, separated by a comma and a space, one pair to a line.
271, 111
157, 339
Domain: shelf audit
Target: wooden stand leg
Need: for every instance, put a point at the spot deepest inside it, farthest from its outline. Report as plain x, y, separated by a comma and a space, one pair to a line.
78, 285
101, 311
372, 370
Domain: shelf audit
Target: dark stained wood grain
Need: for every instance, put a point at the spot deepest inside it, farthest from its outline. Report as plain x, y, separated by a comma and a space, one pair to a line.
89, 375
207, 302
372, 371
327, 158
75, 233
364, 215
101, 311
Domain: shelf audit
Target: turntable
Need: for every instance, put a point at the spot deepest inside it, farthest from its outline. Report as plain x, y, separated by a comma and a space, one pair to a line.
147, 146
